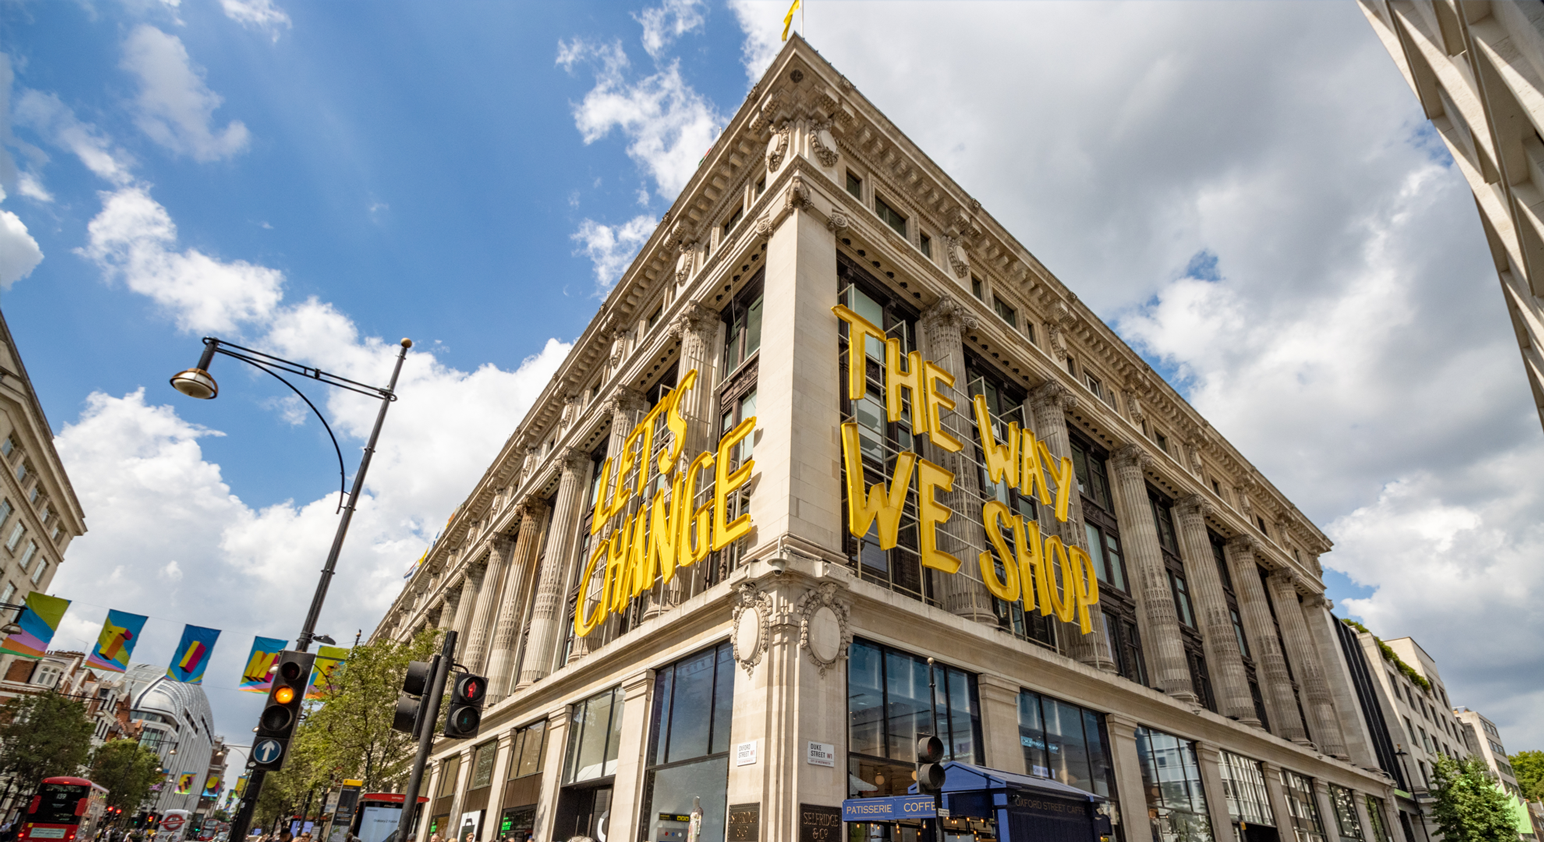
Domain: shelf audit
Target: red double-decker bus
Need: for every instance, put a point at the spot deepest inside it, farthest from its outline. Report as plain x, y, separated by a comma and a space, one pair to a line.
64, 809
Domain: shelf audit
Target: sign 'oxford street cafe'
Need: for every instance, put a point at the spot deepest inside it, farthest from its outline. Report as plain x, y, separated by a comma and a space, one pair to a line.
666, 533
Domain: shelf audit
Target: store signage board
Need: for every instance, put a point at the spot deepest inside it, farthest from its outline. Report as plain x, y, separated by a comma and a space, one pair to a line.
1043, 571
889, 809
821, 754
744, 823
819, 823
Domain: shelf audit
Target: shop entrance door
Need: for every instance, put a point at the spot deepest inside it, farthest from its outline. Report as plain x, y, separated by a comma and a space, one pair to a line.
584, 812
1260, 833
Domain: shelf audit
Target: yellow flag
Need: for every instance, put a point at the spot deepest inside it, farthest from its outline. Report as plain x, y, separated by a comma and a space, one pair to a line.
788, 18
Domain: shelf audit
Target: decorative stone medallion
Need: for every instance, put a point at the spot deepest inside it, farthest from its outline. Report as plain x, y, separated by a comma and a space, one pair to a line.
752, 612
824, 631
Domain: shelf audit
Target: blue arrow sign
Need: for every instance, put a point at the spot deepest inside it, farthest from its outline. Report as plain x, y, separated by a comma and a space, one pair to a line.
267, 751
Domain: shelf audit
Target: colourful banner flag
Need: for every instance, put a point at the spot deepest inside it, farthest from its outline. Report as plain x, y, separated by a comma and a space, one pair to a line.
38, 621
241, 786
120, 633
258, 675
192, 655
328, 658
185, 782
212, 786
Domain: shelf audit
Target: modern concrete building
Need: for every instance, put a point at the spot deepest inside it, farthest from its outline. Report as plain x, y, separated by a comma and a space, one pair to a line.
178, 725
837, 435
1487, 742
39, 515
1478, 70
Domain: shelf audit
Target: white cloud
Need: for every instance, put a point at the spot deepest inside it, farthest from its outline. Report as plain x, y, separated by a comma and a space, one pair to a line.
761, 21
611, 247
261, 15
134, 239
174, 105
28, 185
19, 253
670, 20
668, 126
49, 117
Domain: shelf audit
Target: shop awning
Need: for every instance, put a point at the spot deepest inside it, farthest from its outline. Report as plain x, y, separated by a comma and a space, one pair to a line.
968, 777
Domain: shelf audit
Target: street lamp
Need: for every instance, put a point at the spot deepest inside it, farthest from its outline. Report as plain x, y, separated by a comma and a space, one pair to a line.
197, 382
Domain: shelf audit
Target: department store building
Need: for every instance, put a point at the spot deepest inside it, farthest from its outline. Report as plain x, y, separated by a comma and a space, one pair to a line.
835, 421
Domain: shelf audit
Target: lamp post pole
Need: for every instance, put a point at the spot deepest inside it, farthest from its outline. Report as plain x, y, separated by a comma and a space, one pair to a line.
197, 383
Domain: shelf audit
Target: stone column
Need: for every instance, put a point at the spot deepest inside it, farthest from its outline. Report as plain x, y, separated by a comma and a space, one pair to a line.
448, 604
628, 784
1270, 664
1348, 713
1160, 623
1130, 791
547, 614
481, 630
1209, 760
1327, 814
1278, 797
1360, 800
471, 589
1325, 728
1049, 404
628, 407
697, 326
506, 633
963, 537
1223, 658
1000, 724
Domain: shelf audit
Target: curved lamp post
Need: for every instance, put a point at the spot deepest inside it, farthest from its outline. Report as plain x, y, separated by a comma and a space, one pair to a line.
196, 382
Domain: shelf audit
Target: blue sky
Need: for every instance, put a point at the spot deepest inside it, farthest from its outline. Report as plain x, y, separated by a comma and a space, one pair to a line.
1247, 192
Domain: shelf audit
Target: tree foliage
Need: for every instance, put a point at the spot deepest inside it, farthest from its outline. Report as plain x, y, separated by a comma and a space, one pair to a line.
43, 735
128, 770
1470, 808
1528, 767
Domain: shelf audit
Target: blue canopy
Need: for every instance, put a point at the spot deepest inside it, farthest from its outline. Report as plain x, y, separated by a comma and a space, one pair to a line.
968, 777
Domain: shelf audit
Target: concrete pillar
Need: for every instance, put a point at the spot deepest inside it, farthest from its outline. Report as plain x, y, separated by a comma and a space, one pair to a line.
1270, 665
458, 794
797, 438
1159, 623
637, 693
1224, 660
1348, 713
1209, 760
480, 633
552, 770
1362, 816
1000, 724
500, 775
506, 632
1325, 728
1049, 405
1278, 797
1327, 812
448, 604
1130, 791
698, 326
962, 536
547, 614
471, 588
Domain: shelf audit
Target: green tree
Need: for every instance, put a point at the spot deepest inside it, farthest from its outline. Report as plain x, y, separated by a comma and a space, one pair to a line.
349, 735
1470, 808
1528, 768
43, 735
128, 770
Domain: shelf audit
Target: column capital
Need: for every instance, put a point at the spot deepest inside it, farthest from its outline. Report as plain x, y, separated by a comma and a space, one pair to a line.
575, 460
637, 684
948, 312
988, 684
694, 316
628, 399
1281, 577
1244, 544
1053, 395
1131, 456
1119, 723
1193, 506
499, 545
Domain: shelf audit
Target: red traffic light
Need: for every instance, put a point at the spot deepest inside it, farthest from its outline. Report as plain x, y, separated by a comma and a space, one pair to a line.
470, 689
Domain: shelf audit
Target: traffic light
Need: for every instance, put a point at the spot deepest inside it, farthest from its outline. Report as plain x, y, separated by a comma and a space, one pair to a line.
466, 700
410, 701
930, 771
277, 723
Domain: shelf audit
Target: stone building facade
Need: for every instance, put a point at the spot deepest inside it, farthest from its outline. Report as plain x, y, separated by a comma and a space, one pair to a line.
1478, 71
709, 568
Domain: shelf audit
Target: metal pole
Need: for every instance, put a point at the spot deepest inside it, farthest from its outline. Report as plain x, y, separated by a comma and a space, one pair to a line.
308, 631
932, 701
430, 711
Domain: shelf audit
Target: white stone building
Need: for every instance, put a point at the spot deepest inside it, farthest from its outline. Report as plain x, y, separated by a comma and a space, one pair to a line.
1487, 744
774, 661
1478, 70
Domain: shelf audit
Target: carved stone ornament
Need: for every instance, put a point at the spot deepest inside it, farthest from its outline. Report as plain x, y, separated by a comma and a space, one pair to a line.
959, 260
824, 145
948, 314
1130, 456
683, 267
837, 222
752, 626
764, 225
798, 193
777, 149
824, 630
1193, 506
1053, 395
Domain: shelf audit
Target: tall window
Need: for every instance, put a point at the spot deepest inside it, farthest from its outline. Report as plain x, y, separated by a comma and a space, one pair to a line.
854, 185
1304, 808
689, 742
11, 542
593, 737
1380, 828
1243, 782
27, 554
1065, 743
483, 758
449, 772
925, 243
891, 216
888, 708
1171, 777
742, 320
7, 446
5, 511
1179, 585
1006, 312
1345, 813
733, 220
1104, 547
522, 790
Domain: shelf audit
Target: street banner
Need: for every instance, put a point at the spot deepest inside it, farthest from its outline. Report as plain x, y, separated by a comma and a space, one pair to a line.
241, 786
328, 659
212, 786
192, 655
257, 677
120, 633
38, 621
185, 782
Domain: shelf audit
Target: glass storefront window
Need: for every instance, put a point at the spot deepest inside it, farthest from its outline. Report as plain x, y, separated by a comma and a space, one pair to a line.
593, 737
1171, 776
1243, 782
689, 745
1345, 813
888, 709
526, 750
482, 764
1380, 828
1306, 825
450, 770
1064, 742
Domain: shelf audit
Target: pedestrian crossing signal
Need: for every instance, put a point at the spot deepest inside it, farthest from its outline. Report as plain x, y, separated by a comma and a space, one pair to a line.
464, 716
